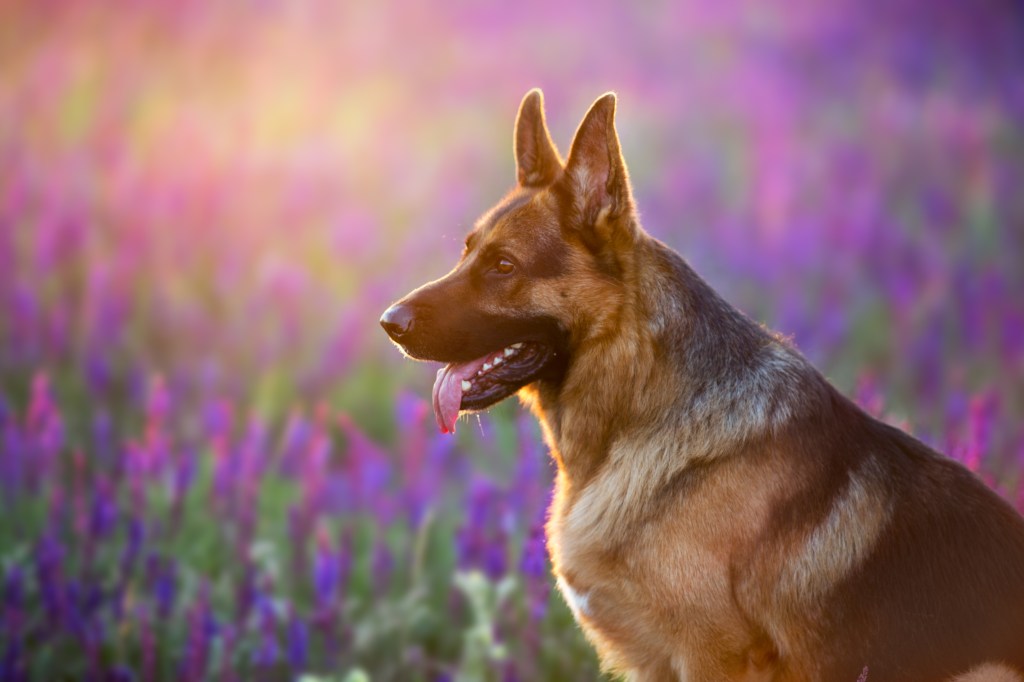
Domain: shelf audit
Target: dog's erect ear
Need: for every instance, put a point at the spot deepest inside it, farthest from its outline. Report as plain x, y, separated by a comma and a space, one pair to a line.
595, 173
537, 159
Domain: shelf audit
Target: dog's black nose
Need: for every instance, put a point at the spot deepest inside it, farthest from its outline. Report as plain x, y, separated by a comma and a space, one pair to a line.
397, 321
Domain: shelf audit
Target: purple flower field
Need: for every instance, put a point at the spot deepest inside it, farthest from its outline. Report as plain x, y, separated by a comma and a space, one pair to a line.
213, 464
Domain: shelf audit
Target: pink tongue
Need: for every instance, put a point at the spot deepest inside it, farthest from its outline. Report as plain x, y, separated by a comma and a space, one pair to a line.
448, 392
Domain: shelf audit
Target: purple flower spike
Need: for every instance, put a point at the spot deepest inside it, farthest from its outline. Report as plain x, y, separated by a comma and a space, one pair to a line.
482, 541
136, 533
326, 574
165, 587
869, 396
14, 588
298, 643
12, 615
294, 443
148, 645
218, 417
981, 415
44, 425
158, 403
13, 665
103, 437
245, 593
534, 562
268, 652
202, 628
48, 558
103, 511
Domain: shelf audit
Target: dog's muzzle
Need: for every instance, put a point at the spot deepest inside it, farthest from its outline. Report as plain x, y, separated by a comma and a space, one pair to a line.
397, 321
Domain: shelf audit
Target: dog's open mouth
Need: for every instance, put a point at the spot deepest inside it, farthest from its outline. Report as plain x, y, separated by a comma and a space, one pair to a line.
480, 383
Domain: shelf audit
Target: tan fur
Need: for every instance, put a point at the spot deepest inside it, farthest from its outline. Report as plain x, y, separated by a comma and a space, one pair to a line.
989, 672
831, 551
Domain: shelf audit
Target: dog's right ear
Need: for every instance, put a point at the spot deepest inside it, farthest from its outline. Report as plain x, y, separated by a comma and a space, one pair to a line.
537, 159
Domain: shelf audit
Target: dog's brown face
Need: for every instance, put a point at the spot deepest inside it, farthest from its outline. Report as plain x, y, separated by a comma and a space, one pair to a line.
536, 272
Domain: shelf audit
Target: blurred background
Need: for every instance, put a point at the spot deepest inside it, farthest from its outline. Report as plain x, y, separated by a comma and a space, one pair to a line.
213, 465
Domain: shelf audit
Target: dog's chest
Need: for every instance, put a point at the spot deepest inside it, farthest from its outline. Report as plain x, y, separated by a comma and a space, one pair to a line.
608, 572
637, 576
613, 594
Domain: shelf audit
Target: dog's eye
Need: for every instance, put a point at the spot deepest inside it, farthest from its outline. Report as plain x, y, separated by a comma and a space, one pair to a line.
503, 266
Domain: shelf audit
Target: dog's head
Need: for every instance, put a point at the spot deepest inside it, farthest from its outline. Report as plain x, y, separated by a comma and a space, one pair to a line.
542, 271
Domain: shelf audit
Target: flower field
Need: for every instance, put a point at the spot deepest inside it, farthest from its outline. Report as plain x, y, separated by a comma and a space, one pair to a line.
213, 464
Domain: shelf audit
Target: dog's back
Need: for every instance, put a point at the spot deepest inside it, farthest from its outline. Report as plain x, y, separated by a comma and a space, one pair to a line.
936, 584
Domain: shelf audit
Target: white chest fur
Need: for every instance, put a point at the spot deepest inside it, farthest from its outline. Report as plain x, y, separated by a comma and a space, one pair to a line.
578, 603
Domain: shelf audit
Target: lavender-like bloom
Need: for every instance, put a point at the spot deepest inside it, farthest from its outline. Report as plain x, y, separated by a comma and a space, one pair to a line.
14, 603
268, 651
13, 666
981, 415
245, 593
314, 473
14, 588
135, 534
228, 655
294, 443
868, 395
225, 460
158, 404
218, 418
44, 425
165, 587
48, 558
103, 447
298, 643
535, 569
202, 628
147, 642
411, 413
370, 469
482, 540
326, 575
184, 475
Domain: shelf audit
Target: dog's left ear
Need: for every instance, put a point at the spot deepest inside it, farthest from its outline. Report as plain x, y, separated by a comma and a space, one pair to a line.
537, 159
595, 173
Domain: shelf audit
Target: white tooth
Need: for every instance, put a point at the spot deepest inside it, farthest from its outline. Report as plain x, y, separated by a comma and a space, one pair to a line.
509, 352
487, 366
466, 385
517, 346
497, 361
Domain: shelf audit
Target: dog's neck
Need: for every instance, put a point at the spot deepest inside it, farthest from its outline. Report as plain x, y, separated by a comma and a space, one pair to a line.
679, 353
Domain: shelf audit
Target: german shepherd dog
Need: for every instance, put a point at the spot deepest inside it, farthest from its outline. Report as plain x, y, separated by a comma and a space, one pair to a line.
721, 511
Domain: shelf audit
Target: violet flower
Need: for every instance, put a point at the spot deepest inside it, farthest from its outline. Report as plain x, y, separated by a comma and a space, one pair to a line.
298, 643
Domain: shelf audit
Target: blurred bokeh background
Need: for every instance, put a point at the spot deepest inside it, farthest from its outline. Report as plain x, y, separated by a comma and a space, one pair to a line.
212, 463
